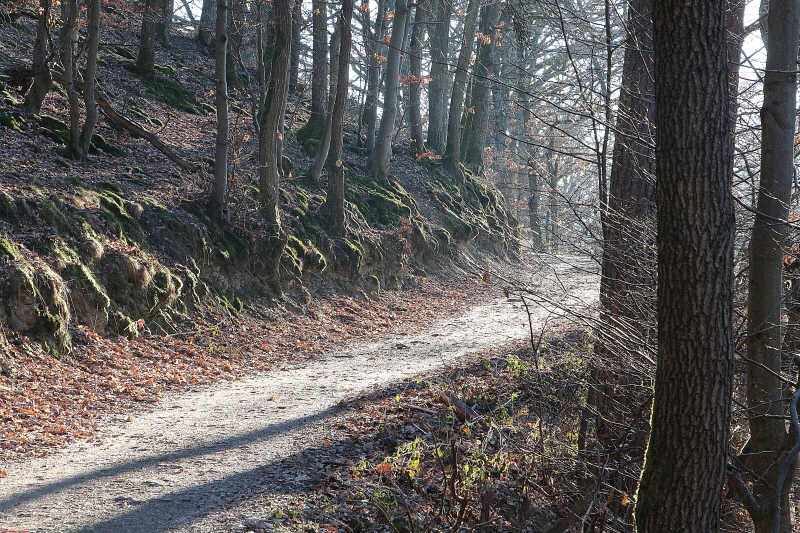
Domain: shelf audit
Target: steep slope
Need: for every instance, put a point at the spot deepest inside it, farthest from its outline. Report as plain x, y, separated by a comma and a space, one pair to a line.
121, 243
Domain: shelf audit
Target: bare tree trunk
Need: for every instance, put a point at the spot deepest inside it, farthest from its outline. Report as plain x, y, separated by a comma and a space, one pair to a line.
766, 454
684, 472
90, 75
477, 121
271, 119
439, 74
324, 146
145, 60
70, 16
165, 10
42, 80
319, 61
535, 193
379, 157
206, 32
334, 202
451, 158
415, 82
219, 186
297, 43
373, 49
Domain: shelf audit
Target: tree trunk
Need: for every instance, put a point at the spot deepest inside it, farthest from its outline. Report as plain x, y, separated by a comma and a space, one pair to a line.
42, 79
271, 119
535, 193
145, 60
207, 15
297, 43
684, 471
451, 158
334, 202
415, 82
90, 75
477, 121
373, 49
70, 16
379, 157
165, 9
439, 74
324, 146
765, 454
219, 186
319, 72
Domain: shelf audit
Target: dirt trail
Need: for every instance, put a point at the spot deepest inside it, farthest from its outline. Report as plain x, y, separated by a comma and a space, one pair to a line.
183, 464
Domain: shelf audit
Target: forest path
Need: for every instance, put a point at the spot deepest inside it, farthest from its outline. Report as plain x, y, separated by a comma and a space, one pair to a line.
183, 464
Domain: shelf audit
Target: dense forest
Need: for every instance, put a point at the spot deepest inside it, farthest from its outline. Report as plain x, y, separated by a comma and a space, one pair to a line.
164, 159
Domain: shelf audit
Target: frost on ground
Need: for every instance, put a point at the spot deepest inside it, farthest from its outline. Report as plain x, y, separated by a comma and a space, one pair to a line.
186, 463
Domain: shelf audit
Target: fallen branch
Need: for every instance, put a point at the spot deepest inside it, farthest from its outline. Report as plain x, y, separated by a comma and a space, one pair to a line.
464, 412
131, 126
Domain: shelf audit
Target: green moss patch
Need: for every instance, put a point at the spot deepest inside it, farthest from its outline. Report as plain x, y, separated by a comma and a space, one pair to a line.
169, 91
13, 121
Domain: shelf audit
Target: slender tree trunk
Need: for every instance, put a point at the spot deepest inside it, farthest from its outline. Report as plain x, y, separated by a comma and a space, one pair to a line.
452, 152
165, 9
534, 195
379, 157
297, 43
219, 186
415, 82
684, 471
90, 75
371, 40
334, 202
42, 80
477, 121
145, 60
766, 453
319, 60
67, 52
324, 146
439, 74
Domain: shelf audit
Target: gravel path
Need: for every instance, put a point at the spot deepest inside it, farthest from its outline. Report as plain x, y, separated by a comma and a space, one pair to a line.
181, 465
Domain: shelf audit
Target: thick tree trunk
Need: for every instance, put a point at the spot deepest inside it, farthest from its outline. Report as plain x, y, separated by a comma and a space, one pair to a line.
451, 158
42, 80
207, 15
765, 454
684, 471
271, 125
379, 157
219, 187
439, 74
165, 9
145, 60
415, 82
477, 120
89, 77
334, 202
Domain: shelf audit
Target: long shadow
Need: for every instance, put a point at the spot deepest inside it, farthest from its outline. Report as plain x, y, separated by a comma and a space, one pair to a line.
227, 442
179, 508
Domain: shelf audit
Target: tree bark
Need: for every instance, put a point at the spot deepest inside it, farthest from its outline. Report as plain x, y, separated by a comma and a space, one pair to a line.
477, 121
319, 60
439, 74
145, 60
534, 192
42, 80
373, 49
297, 43
451, 159
206, 31
90, 75
380, 156
415, 82
334, 202
219, 187
684, 471
770, 442
67, 53
165, 9
324, 146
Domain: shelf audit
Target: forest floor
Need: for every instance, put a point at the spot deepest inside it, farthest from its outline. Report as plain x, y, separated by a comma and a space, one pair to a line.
314, 429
